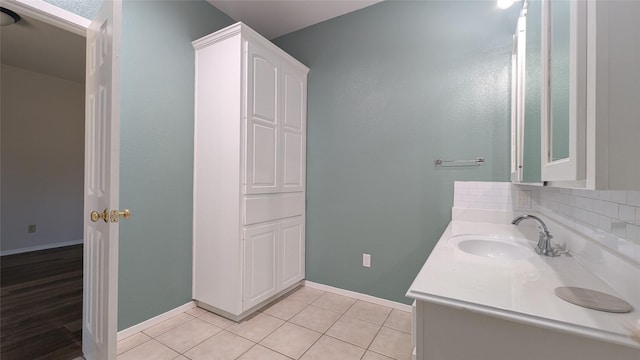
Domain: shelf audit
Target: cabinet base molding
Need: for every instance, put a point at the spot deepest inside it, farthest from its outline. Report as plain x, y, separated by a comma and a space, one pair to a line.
359, 296
123, 334
244, 314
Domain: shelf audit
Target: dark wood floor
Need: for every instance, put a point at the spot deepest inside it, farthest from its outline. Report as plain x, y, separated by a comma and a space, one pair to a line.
41, 304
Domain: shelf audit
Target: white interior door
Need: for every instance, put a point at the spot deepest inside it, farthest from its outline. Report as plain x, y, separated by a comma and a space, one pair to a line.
102, 145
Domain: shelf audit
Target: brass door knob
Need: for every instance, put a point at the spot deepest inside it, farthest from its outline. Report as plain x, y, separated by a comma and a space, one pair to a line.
115, 215
95, 216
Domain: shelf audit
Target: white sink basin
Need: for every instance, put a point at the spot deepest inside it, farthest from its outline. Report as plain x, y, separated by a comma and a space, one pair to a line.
493, 247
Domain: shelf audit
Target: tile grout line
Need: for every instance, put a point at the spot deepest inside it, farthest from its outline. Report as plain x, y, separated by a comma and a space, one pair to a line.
377, 332
184, 352
254, 344
324, 333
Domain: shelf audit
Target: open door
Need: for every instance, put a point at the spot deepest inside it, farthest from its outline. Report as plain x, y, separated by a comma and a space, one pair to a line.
101, 184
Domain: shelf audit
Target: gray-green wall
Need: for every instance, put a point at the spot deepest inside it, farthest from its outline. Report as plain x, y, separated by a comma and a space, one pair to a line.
391, 88
156, 149
156, 159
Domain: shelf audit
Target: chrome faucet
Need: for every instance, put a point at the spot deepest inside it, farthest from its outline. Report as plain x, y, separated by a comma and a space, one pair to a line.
544, 240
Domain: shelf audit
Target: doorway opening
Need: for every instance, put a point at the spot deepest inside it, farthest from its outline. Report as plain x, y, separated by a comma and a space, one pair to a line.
42, 167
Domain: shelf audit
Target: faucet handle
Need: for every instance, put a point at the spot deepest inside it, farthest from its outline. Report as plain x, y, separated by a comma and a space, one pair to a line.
561, 250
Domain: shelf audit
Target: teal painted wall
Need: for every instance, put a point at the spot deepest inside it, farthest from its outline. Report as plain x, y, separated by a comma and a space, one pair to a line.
391, 88
156, 160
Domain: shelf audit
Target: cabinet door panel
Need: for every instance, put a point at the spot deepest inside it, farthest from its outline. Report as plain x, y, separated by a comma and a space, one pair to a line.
291, 251
294, 93
293, 130
259, 264
262, 135
263, 161
264, 85
293, 162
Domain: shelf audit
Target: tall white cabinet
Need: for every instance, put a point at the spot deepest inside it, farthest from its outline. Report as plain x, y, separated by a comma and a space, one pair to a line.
249, 171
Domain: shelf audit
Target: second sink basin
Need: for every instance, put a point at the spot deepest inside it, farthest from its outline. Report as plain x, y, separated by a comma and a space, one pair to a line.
493, 247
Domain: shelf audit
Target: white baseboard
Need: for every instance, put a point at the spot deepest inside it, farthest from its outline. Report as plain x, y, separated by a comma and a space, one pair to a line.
359, 296
41, 247
154, 321
191, 304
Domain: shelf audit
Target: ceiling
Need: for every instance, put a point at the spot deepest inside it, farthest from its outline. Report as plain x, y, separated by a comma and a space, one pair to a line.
272, 18
34, 45
37, 46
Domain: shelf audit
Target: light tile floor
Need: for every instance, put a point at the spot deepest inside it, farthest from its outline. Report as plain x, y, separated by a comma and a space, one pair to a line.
308, 324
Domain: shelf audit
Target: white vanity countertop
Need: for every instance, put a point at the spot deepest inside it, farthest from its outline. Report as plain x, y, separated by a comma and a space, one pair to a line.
517, 290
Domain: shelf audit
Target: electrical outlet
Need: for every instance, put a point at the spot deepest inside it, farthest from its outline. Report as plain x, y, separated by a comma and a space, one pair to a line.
31, 228
366, 260
524, 199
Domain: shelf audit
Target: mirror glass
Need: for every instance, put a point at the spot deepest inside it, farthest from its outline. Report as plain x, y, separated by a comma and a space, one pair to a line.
560, 80
531, 146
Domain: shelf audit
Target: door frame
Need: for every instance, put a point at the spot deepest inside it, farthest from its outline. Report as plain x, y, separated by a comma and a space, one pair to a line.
64, 20
50, 14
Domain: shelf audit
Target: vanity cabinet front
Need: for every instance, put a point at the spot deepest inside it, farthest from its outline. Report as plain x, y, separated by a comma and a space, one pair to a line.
249, 166
274, 259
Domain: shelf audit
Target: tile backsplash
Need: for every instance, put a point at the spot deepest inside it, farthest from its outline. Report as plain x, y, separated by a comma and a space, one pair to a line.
611, 218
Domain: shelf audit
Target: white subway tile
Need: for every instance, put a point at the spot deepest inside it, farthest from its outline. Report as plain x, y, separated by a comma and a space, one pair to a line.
619, 196
604, 195
594, 219
485, 198
619, 229
611, 209
633, 198
483, 185
584, 203
637, 216
592, 194
627, 213
633, 233
583, 216
465, 184
502, 185
604, 223
599, 207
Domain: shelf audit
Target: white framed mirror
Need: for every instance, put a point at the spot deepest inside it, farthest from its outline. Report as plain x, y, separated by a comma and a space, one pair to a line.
526, 95
563, 103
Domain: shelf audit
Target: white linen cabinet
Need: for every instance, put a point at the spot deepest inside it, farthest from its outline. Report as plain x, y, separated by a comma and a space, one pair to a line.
249, 171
